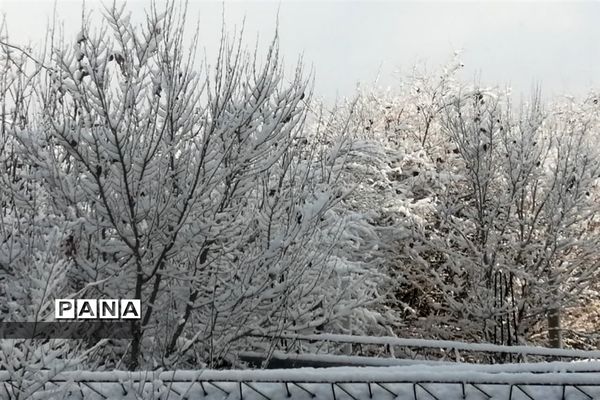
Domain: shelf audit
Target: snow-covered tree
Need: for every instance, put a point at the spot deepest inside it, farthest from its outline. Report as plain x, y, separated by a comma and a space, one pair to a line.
32, 244
193, 189
502, 238
486, 215
513, 233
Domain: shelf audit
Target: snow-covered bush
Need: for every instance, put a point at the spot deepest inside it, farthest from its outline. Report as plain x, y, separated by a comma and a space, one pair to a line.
491, 217
193, 189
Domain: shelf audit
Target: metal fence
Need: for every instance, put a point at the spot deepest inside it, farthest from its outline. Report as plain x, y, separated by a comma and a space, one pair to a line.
433, 370
416, 349
350, 383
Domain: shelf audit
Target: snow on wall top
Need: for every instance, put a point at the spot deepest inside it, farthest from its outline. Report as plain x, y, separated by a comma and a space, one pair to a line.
548, 381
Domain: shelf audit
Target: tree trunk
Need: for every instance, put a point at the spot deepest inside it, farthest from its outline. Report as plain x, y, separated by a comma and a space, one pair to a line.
554, 328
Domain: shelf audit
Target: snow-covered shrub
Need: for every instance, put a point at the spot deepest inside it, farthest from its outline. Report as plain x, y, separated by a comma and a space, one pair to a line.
485, 214
194, 189
34, 244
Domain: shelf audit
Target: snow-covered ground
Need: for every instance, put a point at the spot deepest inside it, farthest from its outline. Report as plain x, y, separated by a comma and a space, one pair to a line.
558, 380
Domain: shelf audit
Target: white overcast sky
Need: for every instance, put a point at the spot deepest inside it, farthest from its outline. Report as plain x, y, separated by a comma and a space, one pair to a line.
519, 44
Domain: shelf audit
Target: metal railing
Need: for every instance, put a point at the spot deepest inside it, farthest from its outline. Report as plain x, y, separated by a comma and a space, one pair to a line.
426, 382
384, 378
421, 349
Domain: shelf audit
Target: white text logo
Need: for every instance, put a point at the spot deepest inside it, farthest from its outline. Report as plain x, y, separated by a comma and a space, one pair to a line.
97, 309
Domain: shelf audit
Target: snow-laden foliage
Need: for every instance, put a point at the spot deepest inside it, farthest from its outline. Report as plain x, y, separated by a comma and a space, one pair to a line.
33, 242
514, 235
191, 188
491, 216
237, 208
